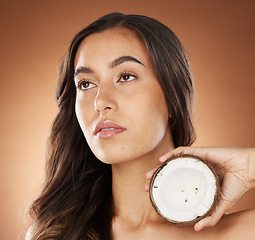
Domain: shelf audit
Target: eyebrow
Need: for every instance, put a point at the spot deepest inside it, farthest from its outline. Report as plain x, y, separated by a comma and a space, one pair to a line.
123, 59
82, 70
113, 64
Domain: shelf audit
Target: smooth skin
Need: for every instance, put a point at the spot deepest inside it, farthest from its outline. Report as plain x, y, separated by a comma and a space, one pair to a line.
127, 92
115, 82
235, 168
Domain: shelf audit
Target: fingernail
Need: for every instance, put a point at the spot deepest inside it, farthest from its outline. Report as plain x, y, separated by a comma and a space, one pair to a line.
199, 227
162, 159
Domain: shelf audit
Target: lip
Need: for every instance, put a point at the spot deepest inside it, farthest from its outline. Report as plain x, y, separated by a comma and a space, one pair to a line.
107, 129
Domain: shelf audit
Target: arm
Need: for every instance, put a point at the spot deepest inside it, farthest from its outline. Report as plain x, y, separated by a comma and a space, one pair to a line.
236, 170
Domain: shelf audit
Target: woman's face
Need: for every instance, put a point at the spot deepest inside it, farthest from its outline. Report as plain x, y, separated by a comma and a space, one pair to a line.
119, 103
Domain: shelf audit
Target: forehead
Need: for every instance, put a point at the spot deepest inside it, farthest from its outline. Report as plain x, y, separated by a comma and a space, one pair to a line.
110, 44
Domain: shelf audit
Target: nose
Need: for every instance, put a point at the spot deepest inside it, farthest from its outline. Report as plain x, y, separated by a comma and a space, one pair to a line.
105, 100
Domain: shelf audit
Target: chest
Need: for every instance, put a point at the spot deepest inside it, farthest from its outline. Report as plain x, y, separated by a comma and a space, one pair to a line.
167, 232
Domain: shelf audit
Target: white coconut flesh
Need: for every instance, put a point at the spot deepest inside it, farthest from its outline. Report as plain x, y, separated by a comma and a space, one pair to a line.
184, 190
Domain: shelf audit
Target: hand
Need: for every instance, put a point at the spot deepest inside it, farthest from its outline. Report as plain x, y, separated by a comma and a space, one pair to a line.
235, 169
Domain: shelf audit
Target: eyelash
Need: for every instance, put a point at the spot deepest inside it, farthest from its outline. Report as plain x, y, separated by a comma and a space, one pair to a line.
121, 75
79, 85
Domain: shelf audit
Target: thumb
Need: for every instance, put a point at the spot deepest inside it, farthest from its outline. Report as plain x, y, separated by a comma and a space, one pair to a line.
210, 221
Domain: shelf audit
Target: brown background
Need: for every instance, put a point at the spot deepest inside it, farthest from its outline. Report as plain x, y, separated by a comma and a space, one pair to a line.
219, 37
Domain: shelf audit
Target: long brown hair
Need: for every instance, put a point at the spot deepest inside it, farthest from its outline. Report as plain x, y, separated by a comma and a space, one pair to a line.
76, 202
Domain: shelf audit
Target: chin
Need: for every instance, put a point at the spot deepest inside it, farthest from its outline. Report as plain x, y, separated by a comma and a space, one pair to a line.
112, 159
110, 153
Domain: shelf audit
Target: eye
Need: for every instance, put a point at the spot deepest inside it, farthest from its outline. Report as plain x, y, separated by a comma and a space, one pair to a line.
126, 77
85, 85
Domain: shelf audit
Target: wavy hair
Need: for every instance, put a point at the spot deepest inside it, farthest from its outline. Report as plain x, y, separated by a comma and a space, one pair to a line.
76, 201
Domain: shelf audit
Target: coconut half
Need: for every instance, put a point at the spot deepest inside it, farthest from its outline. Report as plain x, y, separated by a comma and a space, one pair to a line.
184, 189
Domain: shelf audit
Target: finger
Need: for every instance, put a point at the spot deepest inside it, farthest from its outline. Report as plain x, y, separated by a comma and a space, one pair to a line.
212, 220
178, 151
150, 173
166, 156
147, 187
208, 154
201, 224
199, 151
149, 176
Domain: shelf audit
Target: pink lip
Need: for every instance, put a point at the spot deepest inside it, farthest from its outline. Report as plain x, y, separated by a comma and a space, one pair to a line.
107, 129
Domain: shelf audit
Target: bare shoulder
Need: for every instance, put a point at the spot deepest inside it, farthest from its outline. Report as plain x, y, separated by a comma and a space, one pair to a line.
246, 217
235, 226
239, 225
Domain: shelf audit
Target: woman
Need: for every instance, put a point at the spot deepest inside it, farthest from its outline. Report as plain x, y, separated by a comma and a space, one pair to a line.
125, 99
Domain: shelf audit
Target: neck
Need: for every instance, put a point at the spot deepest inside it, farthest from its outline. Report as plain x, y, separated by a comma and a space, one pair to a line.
130, 201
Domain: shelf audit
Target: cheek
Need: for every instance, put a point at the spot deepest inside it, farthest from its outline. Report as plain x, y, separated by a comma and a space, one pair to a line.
152, 118
155, 107
83, 114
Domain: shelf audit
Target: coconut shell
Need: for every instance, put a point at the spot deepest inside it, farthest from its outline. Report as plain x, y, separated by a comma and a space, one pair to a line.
156, 204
